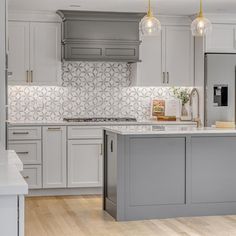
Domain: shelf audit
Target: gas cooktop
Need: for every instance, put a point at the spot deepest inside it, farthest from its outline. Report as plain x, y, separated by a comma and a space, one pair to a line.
101, 119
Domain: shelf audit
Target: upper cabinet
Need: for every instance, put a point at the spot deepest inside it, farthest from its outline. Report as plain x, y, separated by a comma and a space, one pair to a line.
179, 54
34, 53
18, 52
167, 59
222, 39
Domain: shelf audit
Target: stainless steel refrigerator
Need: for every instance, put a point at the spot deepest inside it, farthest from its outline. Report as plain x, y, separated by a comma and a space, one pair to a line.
220, 76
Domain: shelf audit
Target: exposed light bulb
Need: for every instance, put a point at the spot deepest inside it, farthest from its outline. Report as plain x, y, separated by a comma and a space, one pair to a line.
149, 23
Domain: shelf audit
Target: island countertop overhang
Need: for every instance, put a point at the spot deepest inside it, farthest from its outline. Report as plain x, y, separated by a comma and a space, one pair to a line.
168, 130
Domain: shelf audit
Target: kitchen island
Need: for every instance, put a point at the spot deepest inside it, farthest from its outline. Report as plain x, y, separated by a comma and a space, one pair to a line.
13, 188
163, 172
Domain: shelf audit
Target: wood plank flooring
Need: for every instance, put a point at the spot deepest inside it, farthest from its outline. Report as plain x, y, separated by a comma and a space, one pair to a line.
82, 216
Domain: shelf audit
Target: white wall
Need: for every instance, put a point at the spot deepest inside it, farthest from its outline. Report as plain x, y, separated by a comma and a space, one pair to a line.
2, 69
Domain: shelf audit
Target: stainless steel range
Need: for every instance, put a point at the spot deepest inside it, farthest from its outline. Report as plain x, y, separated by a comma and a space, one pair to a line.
101, 119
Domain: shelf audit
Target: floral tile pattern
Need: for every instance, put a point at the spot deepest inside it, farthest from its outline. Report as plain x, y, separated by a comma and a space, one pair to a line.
88, 90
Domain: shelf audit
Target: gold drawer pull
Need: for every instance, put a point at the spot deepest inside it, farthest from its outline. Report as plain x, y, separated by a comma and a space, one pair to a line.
22, 153
54, 129
26, 177
20, 132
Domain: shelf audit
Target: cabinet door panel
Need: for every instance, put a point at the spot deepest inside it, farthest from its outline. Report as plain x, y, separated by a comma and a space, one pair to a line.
179, 56
222, 39
45, 53
213, 170
85, 163
149, 70
18, 52
54, 157
24, 133
28, 151
33, 176
157, 171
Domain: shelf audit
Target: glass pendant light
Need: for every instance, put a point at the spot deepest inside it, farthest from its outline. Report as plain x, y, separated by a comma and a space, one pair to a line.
150, 25
201, 26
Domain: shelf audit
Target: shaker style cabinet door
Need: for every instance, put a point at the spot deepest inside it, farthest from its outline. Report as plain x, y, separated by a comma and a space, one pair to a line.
34, 53
179, 56
18, 52
149, 70
54, 157
45, 57
222, 39
167, 59
85, 163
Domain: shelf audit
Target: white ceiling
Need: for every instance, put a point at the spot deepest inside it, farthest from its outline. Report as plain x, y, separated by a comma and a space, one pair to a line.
165, 7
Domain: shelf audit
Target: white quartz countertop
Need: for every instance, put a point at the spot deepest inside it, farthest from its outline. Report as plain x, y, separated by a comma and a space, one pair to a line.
166, 130
11, 180
62, 123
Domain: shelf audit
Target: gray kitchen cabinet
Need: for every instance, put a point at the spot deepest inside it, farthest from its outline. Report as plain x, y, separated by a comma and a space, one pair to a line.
85, 163
54, 157
163, 182
146, 172
111, 163
166, 175
214, 158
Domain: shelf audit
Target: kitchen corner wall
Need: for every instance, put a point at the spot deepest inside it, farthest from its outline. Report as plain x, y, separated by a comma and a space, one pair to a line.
88, 89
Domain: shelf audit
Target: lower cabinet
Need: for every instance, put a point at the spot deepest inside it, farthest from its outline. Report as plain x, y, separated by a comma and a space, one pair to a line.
33, 176
54, 157
29, 151
85, 163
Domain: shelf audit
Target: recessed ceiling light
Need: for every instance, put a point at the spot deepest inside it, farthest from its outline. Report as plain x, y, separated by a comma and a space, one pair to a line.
74, 5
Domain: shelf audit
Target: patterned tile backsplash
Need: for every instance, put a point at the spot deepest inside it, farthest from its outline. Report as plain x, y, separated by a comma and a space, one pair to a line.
88, 90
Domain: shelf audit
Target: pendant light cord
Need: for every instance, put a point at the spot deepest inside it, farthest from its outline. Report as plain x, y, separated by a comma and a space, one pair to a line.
201, 9
149, 9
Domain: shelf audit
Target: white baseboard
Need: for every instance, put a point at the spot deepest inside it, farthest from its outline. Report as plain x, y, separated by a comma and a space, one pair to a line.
65, 192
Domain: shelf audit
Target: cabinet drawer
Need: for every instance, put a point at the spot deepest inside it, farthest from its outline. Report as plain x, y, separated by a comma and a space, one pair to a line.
24, 133
28, 151
33, 176
76, 132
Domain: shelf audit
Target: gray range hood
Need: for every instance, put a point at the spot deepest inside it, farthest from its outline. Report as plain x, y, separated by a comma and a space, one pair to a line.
100, 36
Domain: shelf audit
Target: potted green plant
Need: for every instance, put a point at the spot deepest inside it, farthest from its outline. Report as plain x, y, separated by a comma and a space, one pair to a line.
183, 94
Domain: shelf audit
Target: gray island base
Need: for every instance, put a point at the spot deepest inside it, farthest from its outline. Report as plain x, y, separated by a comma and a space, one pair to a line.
162, 172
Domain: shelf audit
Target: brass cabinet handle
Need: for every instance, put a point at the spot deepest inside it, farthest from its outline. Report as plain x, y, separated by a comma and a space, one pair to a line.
27, 76
20, 133
54, 129
168, 77
101, 153
164, 78
26, 177
22, 153
111, 145
31, 76
9, 73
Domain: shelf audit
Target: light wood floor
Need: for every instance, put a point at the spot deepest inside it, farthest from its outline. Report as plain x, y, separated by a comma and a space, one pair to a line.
82, 216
